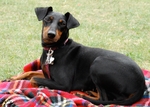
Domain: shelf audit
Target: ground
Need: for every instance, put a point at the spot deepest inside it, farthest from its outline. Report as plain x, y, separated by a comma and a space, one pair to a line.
119, 25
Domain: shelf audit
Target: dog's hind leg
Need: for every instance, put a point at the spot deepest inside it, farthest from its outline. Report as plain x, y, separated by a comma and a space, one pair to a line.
109, 76
87, 94
117, 78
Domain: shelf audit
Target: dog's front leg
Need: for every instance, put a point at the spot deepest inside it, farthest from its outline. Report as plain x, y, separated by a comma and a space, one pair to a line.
28, 75
53, 84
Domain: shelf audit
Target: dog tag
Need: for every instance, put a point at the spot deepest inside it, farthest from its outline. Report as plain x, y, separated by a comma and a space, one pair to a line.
51, 61
50, 58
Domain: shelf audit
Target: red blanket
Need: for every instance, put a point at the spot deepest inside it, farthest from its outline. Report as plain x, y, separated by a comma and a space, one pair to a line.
22, 94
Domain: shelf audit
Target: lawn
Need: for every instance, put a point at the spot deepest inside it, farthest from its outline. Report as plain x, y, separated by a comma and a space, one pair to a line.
118, 25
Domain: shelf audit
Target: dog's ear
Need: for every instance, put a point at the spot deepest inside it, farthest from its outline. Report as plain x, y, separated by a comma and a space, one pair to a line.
41, 12
71, 21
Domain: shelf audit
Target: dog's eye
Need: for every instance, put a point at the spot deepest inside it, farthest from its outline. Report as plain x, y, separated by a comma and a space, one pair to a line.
47, 19
62, 23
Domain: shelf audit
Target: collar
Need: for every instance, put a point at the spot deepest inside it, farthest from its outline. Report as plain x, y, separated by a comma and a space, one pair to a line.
54, 48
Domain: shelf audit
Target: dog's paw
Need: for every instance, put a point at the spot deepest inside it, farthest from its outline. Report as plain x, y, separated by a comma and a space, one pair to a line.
14, 78
79, 93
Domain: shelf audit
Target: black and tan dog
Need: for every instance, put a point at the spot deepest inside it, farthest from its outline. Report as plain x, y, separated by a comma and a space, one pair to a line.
108, 77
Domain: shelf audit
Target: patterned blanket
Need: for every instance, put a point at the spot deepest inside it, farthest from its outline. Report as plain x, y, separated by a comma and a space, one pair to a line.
21, 93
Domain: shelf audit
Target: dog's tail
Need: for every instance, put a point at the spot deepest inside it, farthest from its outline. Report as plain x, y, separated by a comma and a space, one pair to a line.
134, 98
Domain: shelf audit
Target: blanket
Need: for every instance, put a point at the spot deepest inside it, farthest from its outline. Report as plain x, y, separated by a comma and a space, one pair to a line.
21, 93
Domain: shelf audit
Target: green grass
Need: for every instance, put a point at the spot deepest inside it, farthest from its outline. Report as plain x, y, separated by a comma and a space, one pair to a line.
119, 25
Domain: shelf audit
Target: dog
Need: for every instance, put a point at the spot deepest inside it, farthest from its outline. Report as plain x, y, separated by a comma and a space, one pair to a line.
105, 76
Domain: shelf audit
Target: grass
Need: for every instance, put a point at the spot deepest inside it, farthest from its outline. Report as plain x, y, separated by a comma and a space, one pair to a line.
119, 25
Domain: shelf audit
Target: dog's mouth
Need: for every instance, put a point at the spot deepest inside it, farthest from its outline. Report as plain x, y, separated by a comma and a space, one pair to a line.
49, 41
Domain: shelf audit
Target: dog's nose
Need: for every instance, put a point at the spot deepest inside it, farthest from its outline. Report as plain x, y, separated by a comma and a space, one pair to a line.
51, 34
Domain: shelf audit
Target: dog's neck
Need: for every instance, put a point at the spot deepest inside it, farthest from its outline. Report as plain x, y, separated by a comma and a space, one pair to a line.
49, 52
55, 47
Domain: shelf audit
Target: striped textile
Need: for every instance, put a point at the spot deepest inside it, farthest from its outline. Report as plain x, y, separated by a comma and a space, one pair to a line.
21, 93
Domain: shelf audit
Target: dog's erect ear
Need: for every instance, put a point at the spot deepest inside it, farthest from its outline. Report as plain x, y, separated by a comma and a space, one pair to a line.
41, 12
71, 21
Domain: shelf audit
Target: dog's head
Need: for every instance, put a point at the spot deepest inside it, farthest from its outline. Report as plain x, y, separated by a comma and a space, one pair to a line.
55, 26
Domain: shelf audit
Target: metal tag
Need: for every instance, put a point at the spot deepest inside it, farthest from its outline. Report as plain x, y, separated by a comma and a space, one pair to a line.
50, 58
